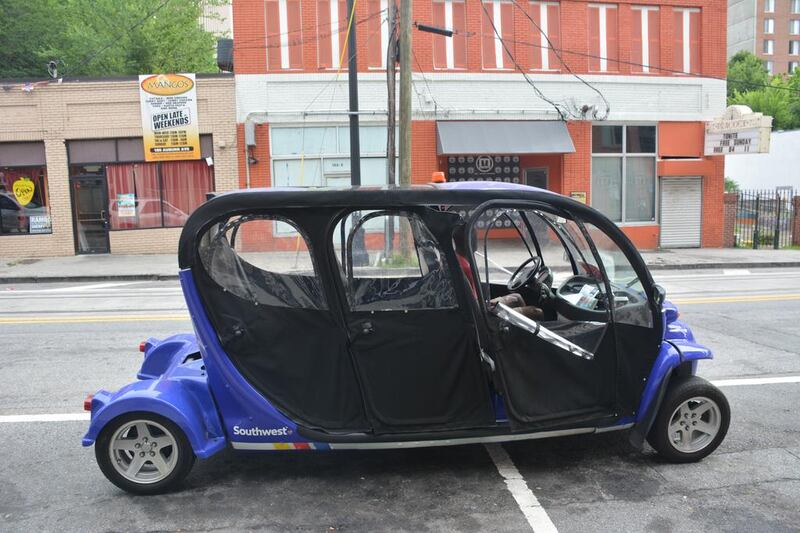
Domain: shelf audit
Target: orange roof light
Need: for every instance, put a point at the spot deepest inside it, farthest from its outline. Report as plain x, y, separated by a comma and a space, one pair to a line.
438, 177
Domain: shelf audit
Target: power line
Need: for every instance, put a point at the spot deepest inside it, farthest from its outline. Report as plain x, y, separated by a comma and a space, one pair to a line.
558, 55
539, 93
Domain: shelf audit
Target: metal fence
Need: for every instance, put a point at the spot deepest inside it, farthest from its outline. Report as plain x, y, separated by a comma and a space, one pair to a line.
764, 218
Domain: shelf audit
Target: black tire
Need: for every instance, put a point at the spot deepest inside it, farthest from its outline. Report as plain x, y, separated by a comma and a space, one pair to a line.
182, 464
680, 391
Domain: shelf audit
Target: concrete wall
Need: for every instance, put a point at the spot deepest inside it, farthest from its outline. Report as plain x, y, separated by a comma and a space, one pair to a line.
55, 113
741, 26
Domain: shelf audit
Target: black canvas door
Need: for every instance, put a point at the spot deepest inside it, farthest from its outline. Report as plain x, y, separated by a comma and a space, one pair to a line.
90, 215
414, 346
551, 337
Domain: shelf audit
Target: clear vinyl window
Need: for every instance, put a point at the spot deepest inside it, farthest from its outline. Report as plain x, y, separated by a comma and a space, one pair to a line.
245, 257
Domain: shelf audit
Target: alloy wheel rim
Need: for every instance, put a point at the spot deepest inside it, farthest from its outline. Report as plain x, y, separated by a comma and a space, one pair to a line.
694, 424
143, 451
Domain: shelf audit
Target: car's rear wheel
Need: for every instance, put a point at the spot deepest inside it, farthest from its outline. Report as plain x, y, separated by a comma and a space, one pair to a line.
144, 453
692, 422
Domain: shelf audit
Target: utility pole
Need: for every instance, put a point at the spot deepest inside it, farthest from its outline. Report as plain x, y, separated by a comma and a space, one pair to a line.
352, 79
405, 92
391, 86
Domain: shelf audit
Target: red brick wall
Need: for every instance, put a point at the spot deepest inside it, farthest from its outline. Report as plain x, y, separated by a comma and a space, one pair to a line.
250, 52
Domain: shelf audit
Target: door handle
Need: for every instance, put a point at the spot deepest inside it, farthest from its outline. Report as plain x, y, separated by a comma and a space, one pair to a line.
367, 328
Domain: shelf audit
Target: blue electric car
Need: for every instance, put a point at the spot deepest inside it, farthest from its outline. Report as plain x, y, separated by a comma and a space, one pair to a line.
403, 317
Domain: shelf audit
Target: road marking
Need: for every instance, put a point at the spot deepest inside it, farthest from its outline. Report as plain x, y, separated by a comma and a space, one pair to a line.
756, 381
58, 417
737, 299
735, 272
91, 319
534, 512
80, 288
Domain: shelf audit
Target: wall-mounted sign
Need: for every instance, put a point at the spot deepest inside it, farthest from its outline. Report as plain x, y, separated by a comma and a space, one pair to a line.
738, 131
579, 196
483, 168
23, 190
169, 117
40, 224
126, 205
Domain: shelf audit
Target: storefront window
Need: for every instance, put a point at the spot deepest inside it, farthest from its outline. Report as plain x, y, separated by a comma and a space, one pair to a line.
624, 172
24, 208
154, 195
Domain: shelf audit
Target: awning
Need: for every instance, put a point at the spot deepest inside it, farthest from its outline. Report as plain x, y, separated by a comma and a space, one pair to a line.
503, 137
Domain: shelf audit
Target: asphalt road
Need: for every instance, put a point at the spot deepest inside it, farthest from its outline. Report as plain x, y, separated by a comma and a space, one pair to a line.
59, 342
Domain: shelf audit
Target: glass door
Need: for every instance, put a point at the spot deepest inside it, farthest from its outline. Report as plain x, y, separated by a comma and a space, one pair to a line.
89, 210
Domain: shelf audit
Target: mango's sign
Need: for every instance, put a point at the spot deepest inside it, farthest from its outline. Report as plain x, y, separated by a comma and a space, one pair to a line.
23, 190
168, 105
738, 131
167, 84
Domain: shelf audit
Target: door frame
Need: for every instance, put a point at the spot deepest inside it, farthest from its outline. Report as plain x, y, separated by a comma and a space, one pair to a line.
104, 186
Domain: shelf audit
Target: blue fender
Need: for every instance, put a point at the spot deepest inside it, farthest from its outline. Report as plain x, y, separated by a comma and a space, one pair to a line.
180, 394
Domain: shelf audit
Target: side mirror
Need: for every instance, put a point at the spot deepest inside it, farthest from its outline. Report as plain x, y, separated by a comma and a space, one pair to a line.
659, 294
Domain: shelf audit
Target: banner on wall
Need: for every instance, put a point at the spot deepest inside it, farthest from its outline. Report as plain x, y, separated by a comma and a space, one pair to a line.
168, 105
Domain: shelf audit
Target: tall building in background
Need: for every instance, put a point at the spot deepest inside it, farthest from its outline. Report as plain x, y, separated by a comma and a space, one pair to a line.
657, 66
768, 28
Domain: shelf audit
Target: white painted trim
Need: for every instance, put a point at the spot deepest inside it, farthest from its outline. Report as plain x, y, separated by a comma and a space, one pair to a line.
543, 36
448, 23
384, 31
497, 19
438, 442
603, 28
645, 40
335, 52
283, 27
687, 56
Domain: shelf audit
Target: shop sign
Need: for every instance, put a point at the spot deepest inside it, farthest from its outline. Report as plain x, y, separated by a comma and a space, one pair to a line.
126, 205
579, 196
168, 105
23, 190
503, 168
40, 224
738, 131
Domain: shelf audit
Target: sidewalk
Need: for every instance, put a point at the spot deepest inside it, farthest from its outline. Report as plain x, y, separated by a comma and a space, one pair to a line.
165, 267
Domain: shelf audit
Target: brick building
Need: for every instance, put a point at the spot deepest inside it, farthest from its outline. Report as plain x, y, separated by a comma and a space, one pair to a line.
659, 65
770, 29
80, 145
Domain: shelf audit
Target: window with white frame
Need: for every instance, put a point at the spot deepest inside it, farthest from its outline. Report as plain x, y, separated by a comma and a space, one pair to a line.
646, 41
284, 34
332, 17
546, 35
497, 27
794, 48
603, 37
450, 52
687, 40
769, 47
769, 25
624, 172
794, 27
769, 66
795, 7
793, 66
769, 6
377, 23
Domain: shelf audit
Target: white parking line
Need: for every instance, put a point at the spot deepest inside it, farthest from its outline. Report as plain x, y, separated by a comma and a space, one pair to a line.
756, 381
534, 512
58, 417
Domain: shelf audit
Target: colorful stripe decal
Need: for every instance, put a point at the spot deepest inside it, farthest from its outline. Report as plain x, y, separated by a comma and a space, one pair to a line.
280, 446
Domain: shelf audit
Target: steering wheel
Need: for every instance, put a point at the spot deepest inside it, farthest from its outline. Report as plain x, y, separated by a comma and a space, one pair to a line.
524, 273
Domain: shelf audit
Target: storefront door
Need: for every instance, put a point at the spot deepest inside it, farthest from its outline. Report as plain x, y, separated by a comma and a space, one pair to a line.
89, 211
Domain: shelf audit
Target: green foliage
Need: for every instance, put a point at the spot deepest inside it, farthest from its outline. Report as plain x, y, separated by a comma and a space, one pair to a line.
103, 37
777, 96
731, 185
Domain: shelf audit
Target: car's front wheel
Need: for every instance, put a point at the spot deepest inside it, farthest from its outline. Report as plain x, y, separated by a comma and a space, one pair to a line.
693, 420
144, 453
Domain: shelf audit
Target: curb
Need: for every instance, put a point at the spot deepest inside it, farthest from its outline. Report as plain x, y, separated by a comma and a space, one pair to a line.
173, 277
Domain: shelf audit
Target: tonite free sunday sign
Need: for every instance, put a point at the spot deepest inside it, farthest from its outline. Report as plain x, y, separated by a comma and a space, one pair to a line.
169, 117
